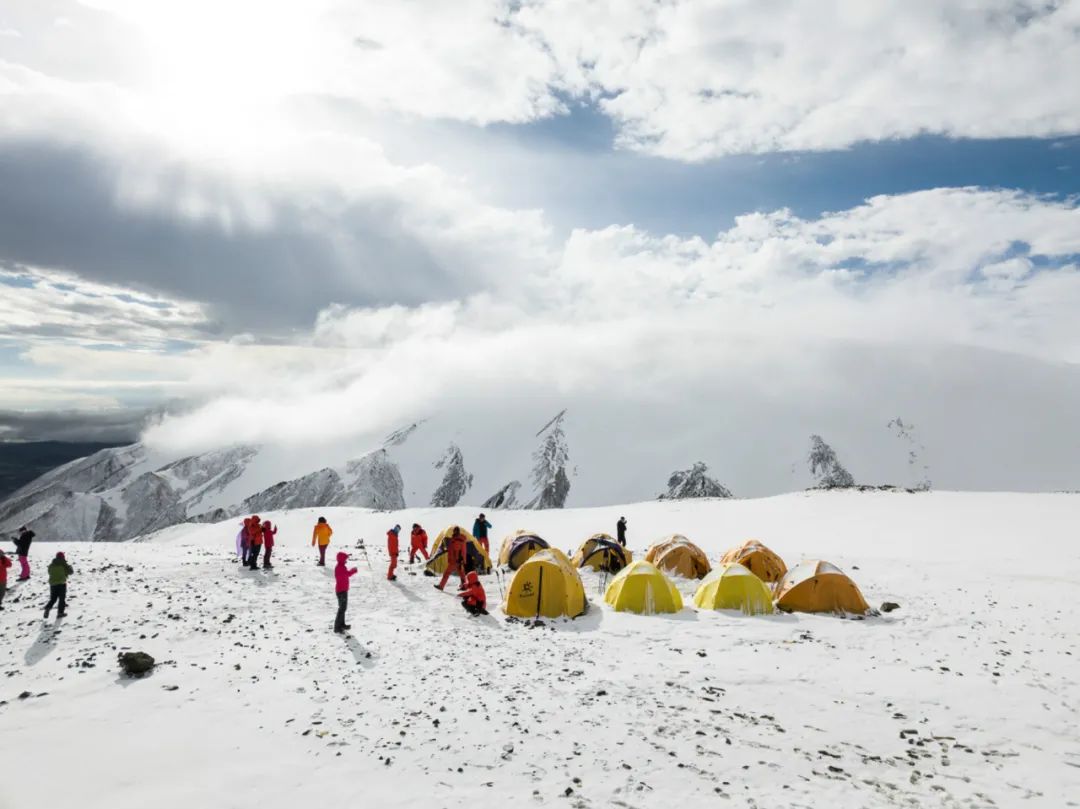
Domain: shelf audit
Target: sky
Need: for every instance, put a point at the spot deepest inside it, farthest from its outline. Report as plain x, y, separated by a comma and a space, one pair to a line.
308, 221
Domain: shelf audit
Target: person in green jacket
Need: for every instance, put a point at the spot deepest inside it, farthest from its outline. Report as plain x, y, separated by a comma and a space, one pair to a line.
59, 570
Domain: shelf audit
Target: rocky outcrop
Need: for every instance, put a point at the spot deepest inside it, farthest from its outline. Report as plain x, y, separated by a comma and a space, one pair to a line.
550, 478
506, 497
693, 483
456, 481
826, 467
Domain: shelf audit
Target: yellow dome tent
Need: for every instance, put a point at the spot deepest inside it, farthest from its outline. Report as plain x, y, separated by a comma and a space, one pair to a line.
518, 547
601, 552
816, 586
733, 587
475, 555
679, 556
546, 585
758, 559
640, 587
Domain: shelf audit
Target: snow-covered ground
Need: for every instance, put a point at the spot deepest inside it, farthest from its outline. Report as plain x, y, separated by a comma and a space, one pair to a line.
965, 696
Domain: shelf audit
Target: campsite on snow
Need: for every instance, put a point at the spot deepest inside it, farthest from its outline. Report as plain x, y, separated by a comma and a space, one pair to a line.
965, 695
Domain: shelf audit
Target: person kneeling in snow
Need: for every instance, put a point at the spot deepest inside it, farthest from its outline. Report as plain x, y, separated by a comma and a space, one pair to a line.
472, 595
342, 575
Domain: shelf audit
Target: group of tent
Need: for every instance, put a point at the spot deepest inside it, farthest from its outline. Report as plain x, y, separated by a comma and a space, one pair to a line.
751, 577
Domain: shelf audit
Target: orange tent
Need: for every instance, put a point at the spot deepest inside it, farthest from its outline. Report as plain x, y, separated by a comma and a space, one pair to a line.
758, 559
817, 586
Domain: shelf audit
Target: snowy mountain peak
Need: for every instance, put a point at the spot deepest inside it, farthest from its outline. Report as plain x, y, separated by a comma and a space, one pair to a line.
456, 481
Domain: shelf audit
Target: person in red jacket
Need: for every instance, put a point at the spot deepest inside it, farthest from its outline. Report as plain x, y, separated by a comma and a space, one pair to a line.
268, 534
418, 543
256, 539
472, 595
342, 575
392, 551
455, 558
5, 563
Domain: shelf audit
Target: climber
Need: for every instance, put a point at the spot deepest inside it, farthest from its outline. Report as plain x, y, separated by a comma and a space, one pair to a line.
472, 595
59, 570
255, 531
418, 543
455, 558
5, 563
342, 575
245, 541
620, 531
479, 530
321, 534
22, 550
392, 551
268, 533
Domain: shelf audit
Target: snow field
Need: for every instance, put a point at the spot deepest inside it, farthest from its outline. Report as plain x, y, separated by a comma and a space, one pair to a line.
966, 696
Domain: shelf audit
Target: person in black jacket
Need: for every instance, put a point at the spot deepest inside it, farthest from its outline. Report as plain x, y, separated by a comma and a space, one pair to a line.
620, 531
22, 550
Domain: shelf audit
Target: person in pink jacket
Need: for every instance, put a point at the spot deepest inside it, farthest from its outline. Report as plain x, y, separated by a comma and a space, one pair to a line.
268, 532
342, 575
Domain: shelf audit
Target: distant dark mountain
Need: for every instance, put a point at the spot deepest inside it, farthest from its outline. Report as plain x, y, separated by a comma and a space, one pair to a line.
22, 461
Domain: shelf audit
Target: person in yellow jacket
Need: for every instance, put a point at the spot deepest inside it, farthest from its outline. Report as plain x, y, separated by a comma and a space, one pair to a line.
321, 536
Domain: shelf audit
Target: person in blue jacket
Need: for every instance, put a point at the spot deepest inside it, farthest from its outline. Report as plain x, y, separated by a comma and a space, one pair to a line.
480, 531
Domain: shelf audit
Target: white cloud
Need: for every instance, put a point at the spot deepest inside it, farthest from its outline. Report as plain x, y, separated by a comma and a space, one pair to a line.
689, 80
42, 306
641, 318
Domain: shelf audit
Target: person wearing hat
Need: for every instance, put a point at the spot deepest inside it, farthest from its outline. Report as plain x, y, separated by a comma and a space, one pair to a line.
417, 543
472, 595
22, 550
342, 575
480, 531
59, 570
620, 531
392, 551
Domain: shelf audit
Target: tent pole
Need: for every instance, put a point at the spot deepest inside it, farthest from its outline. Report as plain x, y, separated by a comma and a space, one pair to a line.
539, 591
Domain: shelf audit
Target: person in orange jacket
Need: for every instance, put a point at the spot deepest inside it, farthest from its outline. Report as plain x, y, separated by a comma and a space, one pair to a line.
472, 595
455, 558
255, 533
321, 535
392, 551
268, 534
418, 543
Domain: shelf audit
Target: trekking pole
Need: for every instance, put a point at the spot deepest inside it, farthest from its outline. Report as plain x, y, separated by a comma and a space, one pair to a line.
363, 549
499, 579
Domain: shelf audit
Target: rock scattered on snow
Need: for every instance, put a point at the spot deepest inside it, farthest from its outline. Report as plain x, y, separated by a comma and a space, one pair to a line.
135, 664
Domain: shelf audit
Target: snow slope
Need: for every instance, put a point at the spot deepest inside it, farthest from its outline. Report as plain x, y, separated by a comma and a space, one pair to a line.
965, 696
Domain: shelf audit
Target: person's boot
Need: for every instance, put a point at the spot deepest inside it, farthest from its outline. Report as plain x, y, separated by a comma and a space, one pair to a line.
46, 613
